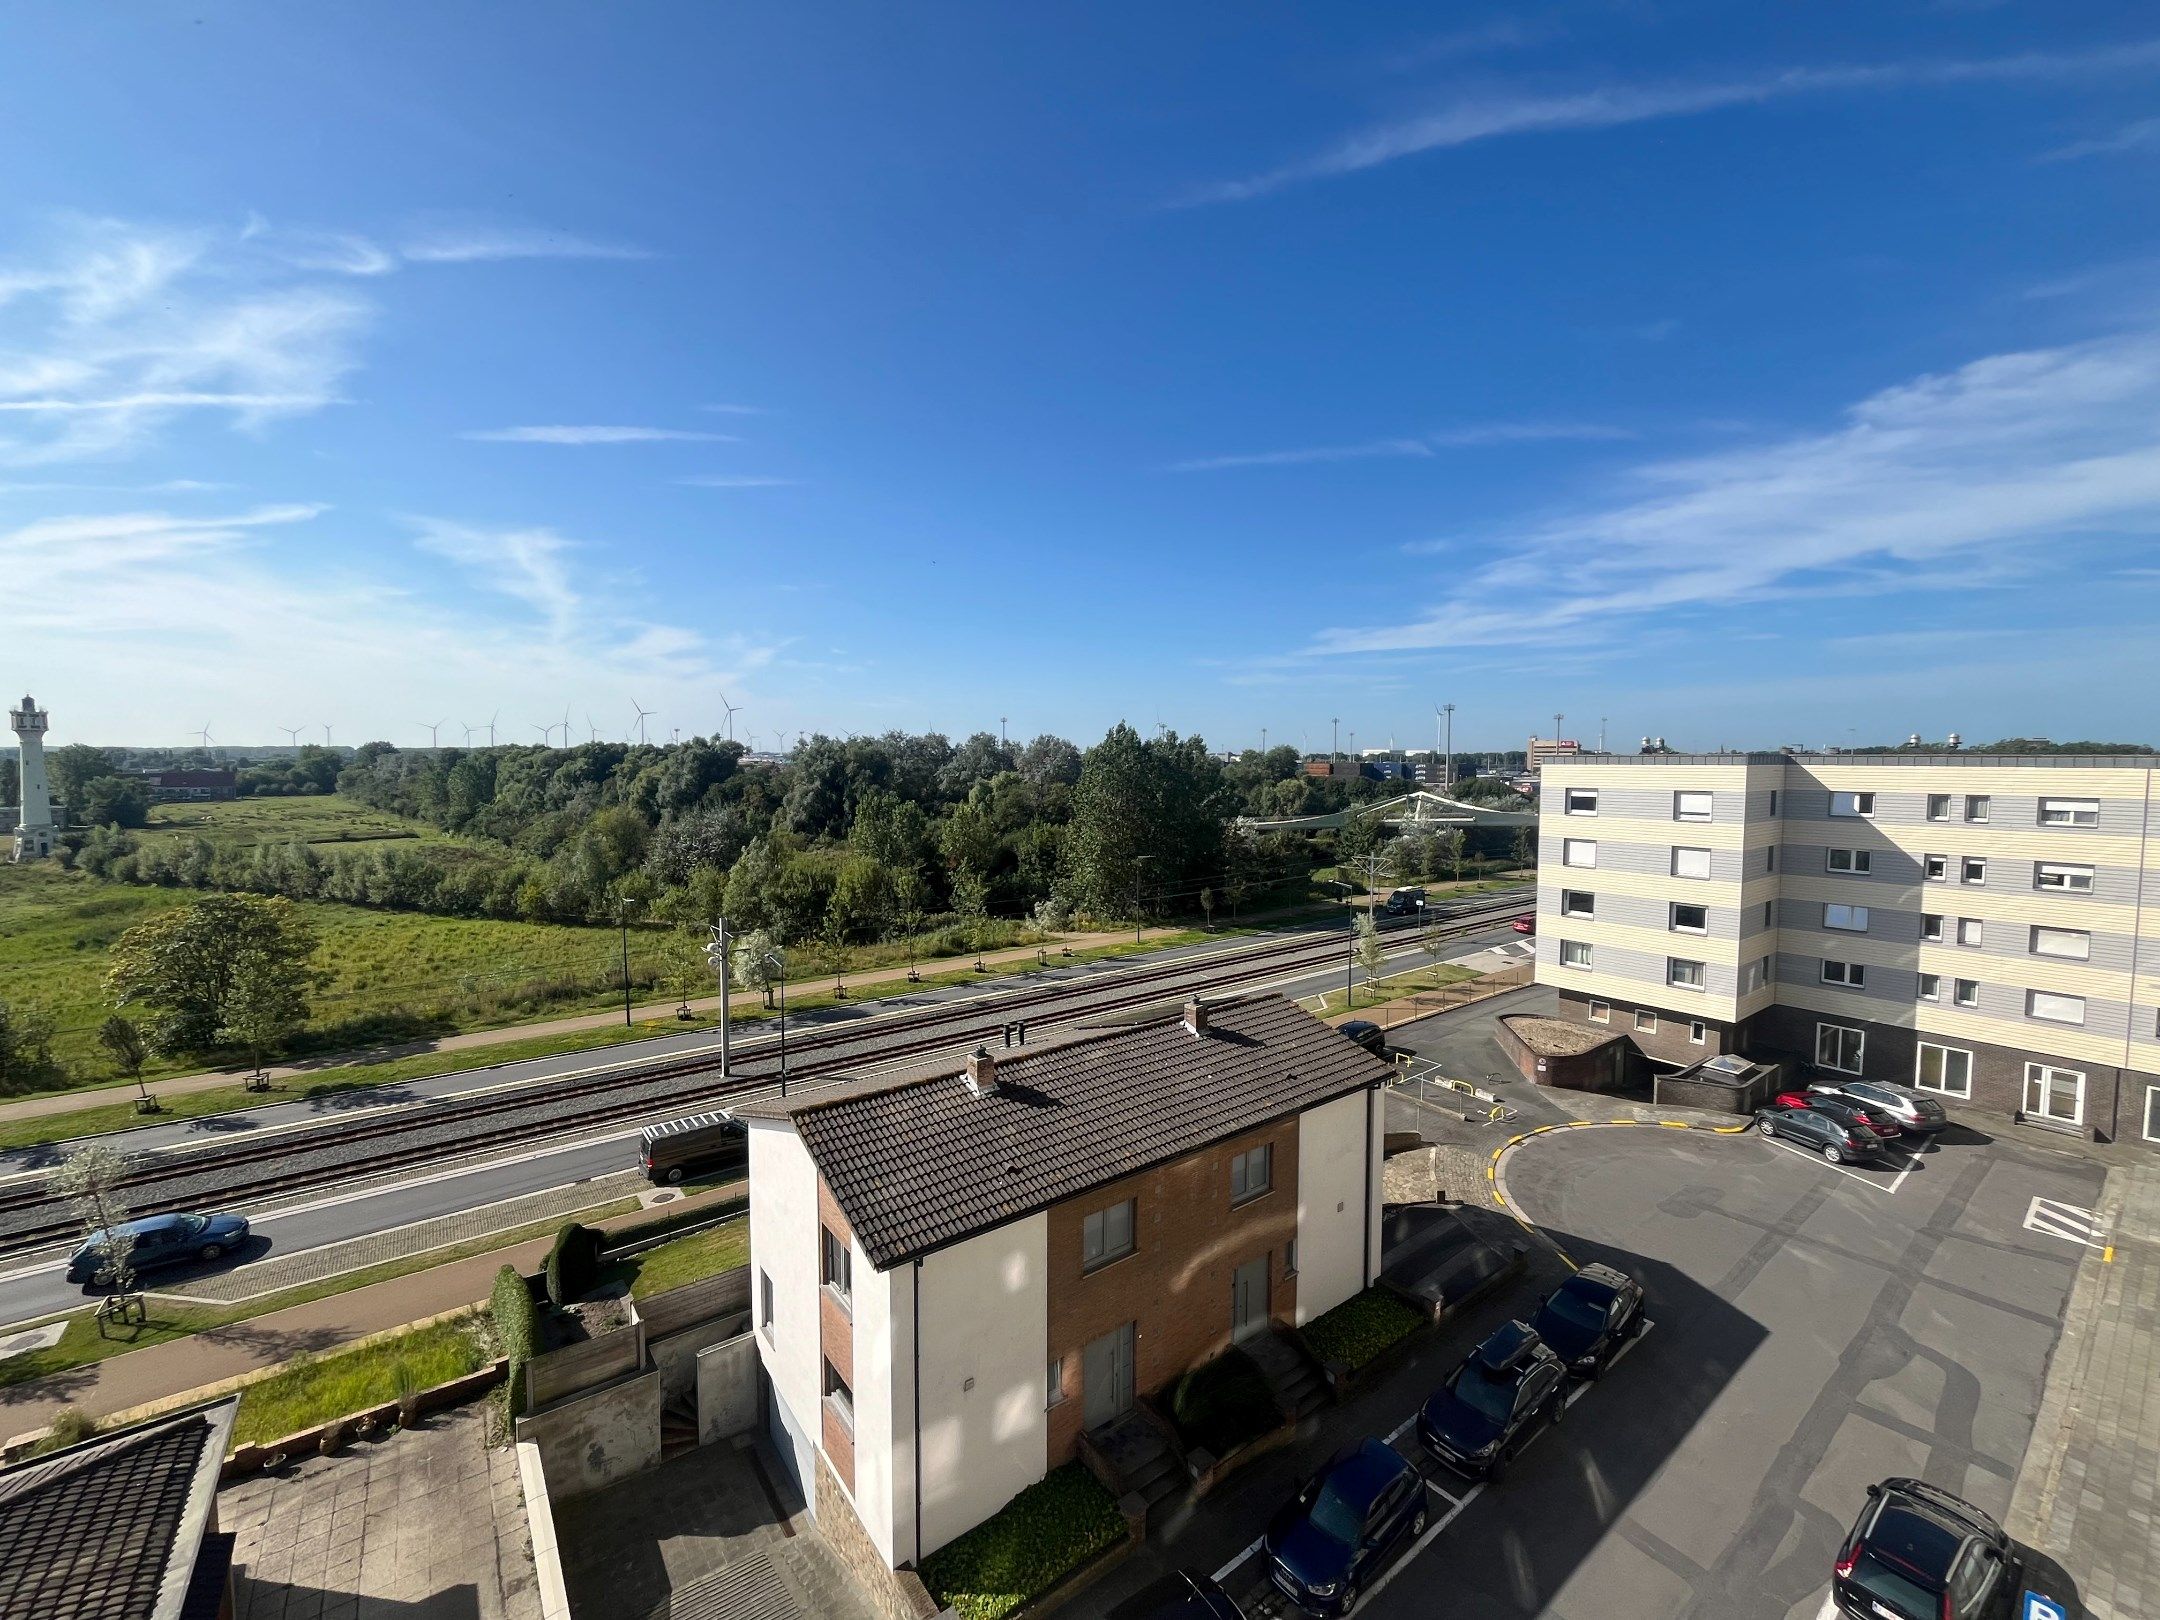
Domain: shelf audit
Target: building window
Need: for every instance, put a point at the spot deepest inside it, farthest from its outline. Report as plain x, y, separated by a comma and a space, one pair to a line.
2062, 879
1931, 926
1976, 806
1965, 992
1581, 801
1972, 931
1840, 1048
1682, 974
1769, 858
2069, 812
1691, 807
1946, 1069
1852, 804
1645, 1022
2055, 1094
1577, 903
836, 1265
1690, 863
839, 1397
1054, 1384
1773, 801
1938, 807
1251, 1173
1698, 1031
2074, 944
1289, 1258
1845, 919
1578, 852
1690, 919
1106, 1235
2152, 1113
2054, 1008
1852, 975
1769, 913
1574, 953
1935, 868
765, 1305
1973, 869
1856, 861
1930, 987
1600, 1012
1754, 975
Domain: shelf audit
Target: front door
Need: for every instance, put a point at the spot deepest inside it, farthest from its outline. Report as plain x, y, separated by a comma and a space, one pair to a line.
1106, 1374
1249, 1298
2055, 1095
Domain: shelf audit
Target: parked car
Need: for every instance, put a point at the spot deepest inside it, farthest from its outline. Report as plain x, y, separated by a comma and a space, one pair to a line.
1506, 1391
1919, 1553
1913, 1109
1366, 1033
1343, 1524
1838, 1106
1811, 1128
160, 1240
1401, 902
1589, 1317
700, 1143
1525, 924
1190, 1595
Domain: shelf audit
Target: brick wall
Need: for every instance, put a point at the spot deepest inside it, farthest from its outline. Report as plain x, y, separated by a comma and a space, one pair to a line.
836, 1342
1175, 1285
896, 1594
1669, 1042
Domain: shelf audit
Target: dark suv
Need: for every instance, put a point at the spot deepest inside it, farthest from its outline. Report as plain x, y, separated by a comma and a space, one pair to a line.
1504, 1392
1818, 1132
1589, 1317
1343, 1525
1919, 1553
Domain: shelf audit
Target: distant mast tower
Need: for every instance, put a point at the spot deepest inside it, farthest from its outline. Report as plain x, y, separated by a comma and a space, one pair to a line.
34, 829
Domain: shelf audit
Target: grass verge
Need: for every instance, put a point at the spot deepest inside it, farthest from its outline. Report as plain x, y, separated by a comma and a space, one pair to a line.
1392, 988
686, 1259
1026, 1547
312, 1390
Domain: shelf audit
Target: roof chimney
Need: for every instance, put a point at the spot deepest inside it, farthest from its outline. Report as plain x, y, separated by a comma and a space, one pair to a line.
1196, 1015
981, 1072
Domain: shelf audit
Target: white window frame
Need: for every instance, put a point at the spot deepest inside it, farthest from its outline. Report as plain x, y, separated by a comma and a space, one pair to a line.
1568, 907
2080, 939
1856, 918
1572, 847
2069, 812
1846, 975
1859, 1040
1673, 922
1972, 933
1694, 804
2037, 1071
2036, 999
2074, 877
765, 1307
836, 1267
1095, 1250
1965, 993
2152, 1113
1855, 805
1054, 1379
1645, 1021
1588, 955
1947, 1052
1679, 850
1972, 869
1931, 927
1697, 1032
1600, 1012
1977, 807
1927, 987
1938, 806
839, 1396
1677, 964
1935, 869
1569, 807
1243, 1188
1857, 861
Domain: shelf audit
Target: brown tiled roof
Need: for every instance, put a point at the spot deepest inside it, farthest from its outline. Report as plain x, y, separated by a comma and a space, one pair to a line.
922, 1164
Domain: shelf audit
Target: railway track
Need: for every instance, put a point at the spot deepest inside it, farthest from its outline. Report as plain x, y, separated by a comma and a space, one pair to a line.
292, 1158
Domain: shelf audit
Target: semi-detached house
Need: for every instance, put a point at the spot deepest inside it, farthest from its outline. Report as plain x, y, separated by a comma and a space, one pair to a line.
954, 1277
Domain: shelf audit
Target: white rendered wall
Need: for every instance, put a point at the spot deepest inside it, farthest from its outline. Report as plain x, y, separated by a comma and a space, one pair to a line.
883, 1392
784, 1246
36, 794
1333, 1171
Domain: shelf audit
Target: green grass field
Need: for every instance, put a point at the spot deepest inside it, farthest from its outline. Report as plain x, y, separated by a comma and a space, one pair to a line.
321, 819
311, 1391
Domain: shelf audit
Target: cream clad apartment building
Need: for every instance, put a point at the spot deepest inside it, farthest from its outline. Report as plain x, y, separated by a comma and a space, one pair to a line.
1984, 927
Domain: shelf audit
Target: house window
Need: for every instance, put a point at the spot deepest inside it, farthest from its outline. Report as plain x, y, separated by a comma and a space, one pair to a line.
1106, 1235
765, 1305
1845, 919
1690, 919
1935, 868
836, 1265
2061, 878
1931, 926
1852, 804
1840, 1048
1938, 807
2152, 1113
1930, 987
1856, 861
1698, 1031
1946, 1069
1577, 903
1754, 975
1691, 806
1690, 863
1972, 931
839, 1397
2069, 812
1965, 992
1581, 801
1574, 953
2073, 943
2054, 1008
1976, 806
1054, 1383
1850, 974
1683, 974
1289, 1258
1645, 1022
1973, 869
1600, 1012
1578, 852
1251, 1173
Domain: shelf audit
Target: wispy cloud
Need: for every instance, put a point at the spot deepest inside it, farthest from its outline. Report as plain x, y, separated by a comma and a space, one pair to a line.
1420, 448
2141, 136
736, 481
1527, 433
1495, 34
735, 410
528, 565
594, 435
452, 242
1295, 458
1977, 476
1489, 117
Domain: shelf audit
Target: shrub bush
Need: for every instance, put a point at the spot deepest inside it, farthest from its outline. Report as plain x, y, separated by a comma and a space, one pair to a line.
573, 1265
1223, 1404
1361, 1327
1025, 1548
518, 1326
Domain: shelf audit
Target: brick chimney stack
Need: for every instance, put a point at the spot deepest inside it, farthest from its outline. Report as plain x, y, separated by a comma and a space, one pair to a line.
1196, 1015
982, 1072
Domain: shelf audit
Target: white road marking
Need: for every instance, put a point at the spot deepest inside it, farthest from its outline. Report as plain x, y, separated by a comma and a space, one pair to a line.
2051, 1217
1822, 1163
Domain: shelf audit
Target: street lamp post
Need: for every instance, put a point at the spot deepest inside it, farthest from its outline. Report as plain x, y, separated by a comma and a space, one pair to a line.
777, 961
622, 915
1139, 922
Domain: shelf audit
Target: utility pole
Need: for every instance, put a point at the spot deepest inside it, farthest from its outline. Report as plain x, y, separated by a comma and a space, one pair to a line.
716, 955
1001, 731
1447, 710
1601, 733
1263, 742
1335, 741
622, 915
1138, 920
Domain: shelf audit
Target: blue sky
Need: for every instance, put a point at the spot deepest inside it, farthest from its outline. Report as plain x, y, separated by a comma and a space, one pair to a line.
1739, 374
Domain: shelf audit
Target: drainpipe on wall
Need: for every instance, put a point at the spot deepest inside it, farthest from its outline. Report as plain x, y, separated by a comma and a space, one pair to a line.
916, 1325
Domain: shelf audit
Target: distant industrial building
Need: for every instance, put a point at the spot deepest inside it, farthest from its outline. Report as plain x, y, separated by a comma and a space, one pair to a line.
1543, 750
166, 787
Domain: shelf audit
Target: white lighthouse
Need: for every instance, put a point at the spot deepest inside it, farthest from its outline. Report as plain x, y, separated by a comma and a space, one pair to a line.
34, 825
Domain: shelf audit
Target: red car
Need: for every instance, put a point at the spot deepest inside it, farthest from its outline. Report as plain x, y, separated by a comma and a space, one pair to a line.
1842, 1108
1525, 924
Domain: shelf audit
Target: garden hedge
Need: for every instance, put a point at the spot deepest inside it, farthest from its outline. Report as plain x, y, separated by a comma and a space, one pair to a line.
1028, 1546
573, 1265
1361, 1327
1223, 1404
518, 1324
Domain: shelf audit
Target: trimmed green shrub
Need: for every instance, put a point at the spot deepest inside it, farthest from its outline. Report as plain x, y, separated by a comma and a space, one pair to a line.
573, 1265
1361, 1327
518, 1326
1028, 1546
1223, 1403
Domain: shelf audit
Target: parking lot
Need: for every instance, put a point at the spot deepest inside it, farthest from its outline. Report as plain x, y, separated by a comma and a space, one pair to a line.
1817, 1328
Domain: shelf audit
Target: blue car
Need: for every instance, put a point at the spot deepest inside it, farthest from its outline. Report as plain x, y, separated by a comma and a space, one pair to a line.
1506, 1392
1346, 1522
161, 1240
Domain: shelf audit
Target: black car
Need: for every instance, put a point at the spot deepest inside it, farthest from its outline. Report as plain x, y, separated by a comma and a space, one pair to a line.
1343, 1525
1190, 1595
1366, 1033
1919, 1553
1818, 1132
1508, 1389
1912, 1109
1589, 1317
160, 1240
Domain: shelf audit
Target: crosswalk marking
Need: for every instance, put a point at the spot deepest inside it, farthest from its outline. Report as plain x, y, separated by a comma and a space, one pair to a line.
2050, 1217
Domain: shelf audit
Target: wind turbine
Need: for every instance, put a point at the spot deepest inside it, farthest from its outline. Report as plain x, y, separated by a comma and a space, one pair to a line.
203, 734
491, 726
469, 728
326, 734
566, 725
547, 734
292, 734
434, 740
642, 714
732, 710
592, 728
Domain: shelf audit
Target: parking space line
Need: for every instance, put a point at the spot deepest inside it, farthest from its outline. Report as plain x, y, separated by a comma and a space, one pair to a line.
1822, 1163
